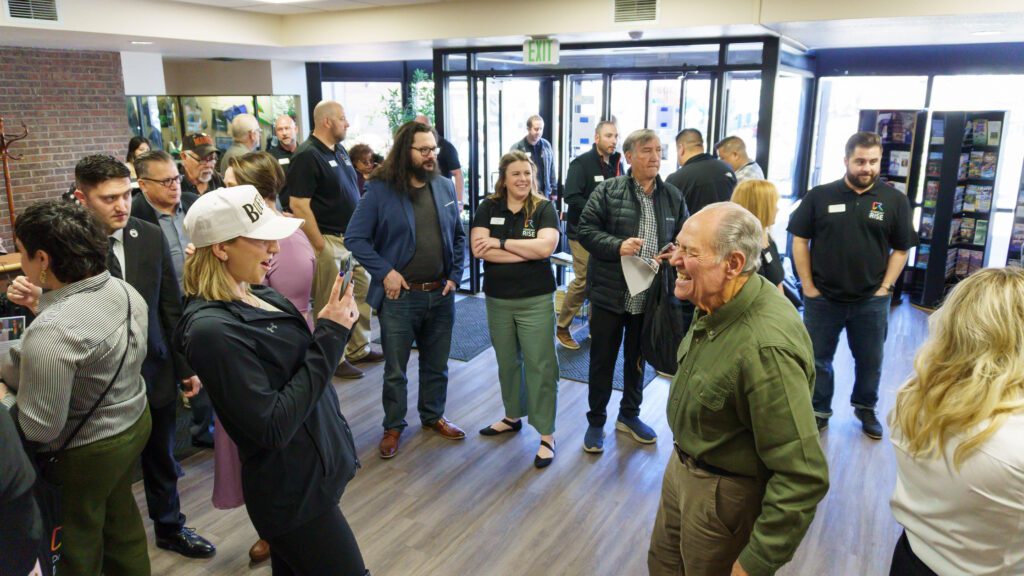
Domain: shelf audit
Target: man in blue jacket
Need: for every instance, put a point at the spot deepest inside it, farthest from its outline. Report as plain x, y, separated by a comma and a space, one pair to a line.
406, 232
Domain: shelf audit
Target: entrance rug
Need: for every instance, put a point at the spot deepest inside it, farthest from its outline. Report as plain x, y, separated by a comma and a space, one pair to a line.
575, 364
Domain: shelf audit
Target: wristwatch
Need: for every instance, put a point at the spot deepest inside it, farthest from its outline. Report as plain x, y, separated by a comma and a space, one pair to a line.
886, 287
501, 243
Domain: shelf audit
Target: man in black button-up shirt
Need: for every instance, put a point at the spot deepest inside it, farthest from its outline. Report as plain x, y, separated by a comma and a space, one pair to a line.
850, 243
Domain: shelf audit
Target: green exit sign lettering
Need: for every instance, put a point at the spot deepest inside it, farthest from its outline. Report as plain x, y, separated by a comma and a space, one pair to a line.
540, 51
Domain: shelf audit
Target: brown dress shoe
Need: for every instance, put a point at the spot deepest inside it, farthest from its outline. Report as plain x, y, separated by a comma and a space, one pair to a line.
371, 357
389, 443
260, 551
566, 339
347, 371
446, 429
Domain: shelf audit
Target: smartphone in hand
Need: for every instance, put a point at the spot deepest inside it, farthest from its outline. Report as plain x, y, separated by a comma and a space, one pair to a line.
346, 275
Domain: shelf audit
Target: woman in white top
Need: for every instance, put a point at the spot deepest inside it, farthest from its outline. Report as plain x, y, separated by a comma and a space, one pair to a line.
958, 429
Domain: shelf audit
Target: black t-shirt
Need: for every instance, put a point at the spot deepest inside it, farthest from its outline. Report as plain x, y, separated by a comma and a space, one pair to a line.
519, 279
284, 157
851, 236
328, 179
771, 264
427, 264
447, 158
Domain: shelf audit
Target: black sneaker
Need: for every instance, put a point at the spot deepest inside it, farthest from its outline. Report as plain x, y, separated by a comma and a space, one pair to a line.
822, 423
869, 422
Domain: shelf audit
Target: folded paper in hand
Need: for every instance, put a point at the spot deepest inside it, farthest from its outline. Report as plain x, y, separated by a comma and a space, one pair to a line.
639, 273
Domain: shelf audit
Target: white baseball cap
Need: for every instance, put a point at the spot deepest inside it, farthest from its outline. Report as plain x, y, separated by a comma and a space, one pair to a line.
227, 213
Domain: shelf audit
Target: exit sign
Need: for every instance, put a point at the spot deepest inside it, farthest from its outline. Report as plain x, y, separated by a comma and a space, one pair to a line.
540, 51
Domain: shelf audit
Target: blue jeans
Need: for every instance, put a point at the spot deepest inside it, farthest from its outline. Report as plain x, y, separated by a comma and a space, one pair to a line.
425, 318
866, 324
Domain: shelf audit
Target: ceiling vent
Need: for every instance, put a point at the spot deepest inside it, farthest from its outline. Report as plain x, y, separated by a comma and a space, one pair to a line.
636, 10
38, 10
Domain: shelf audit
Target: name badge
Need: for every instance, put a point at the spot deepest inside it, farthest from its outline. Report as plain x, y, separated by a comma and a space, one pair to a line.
497, 221
284, 161
333, 163
836, 208
348, 162
768, 257
598, 178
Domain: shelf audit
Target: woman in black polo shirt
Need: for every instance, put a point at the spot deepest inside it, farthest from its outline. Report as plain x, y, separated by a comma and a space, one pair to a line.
761, 197
514, 233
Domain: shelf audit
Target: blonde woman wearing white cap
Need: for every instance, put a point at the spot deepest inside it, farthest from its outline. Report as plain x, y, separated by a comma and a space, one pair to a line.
269, 379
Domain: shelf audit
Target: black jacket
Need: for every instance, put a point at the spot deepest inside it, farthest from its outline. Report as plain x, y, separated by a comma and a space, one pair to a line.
148, 268
270, 382
585, 173
143, 210
612, 215
704, 180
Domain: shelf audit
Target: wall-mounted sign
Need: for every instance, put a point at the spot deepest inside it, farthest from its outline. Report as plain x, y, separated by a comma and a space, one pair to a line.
540, 51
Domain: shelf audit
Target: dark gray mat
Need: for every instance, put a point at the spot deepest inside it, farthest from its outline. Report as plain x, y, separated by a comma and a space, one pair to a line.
575, 364
470, 336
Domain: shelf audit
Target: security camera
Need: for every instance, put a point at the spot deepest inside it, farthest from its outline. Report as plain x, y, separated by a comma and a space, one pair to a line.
636, 34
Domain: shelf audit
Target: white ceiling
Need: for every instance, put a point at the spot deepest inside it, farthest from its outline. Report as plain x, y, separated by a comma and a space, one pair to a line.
303, 6
892, 31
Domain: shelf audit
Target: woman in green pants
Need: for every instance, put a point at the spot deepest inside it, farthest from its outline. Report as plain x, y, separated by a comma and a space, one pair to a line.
514, 233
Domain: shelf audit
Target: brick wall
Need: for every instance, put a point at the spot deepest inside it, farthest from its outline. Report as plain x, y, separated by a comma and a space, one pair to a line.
72, 103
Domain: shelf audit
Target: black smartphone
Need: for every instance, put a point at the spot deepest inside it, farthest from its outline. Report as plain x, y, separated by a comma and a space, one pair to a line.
345, 272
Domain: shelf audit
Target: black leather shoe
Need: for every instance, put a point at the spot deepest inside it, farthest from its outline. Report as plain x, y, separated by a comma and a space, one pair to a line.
544, 462
187, 543
512, 427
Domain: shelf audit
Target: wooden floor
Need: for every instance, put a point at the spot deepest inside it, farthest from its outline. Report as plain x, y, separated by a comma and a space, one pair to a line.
479, 508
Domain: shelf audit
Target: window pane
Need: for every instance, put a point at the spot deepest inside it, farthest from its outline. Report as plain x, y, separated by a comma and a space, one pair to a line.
663, 118
744, 53
742, 107
587, 101
696, 104
628, 98
840, 102
213, 115
366, 109
995, 92
787, 109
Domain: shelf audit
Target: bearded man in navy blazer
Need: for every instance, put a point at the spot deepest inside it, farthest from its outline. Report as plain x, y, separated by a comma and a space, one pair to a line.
139, 255
407, 233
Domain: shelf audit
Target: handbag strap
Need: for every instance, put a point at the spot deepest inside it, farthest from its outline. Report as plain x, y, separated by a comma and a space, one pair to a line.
110, 385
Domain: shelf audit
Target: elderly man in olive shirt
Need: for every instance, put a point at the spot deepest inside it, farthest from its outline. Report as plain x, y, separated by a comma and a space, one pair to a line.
748, 472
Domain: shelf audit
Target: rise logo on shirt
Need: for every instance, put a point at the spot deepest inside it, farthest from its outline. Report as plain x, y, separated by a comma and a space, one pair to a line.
528, 231
877, 212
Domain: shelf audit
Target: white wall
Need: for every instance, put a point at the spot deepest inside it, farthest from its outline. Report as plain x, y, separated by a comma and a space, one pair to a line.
215, 78
290, 78
143, 74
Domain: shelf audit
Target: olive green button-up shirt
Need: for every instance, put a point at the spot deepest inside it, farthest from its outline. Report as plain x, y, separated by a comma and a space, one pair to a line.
741, 401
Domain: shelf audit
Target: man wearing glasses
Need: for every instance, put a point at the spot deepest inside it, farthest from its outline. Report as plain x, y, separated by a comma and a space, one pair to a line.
322, 190
163, 202
406, 231
198, 157
245, 131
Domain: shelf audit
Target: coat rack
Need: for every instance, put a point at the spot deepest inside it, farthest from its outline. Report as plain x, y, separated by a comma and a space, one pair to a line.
5, 144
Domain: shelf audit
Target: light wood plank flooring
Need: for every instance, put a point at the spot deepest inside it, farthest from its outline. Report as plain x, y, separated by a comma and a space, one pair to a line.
479, 508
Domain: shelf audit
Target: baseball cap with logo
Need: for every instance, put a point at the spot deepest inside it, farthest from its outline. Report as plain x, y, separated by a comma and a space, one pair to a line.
227, 213
199, 143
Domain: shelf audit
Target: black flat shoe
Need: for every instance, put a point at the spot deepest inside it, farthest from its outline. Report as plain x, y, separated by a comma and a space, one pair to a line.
513, 427
539, 462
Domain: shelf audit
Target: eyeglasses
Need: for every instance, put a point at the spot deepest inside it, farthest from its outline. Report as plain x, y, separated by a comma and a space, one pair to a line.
166, 182
426, 151
208, 159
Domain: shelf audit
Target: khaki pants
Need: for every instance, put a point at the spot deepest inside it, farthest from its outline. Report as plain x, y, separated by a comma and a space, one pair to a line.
326, 273
704, 521
576, 292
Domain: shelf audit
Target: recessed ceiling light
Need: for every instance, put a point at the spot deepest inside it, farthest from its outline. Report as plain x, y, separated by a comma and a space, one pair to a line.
141, 43
987, 33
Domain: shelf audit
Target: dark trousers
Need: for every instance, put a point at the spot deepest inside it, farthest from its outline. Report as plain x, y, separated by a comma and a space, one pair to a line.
427, 319
324, 546
905, 562
866, 324
202, 417
606, 336
160, 472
